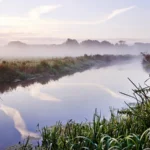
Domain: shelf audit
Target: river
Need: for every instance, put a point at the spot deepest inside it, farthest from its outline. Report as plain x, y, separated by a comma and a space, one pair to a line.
71, 97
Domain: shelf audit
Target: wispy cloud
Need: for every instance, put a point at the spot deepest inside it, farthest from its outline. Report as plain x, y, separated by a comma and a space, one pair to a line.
18, 122
119, 11
36, 93
34, 22
102, 87
37, 12
109, 16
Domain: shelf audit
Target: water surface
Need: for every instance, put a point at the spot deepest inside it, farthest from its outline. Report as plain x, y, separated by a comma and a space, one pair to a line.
71, 97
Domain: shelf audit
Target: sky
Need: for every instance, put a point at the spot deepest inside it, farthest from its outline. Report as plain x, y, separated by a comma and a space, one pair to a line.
78, 19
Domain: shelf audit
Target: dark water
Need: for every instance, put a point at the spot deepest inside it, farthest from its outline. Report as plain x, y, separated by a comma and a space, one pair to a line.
71, 97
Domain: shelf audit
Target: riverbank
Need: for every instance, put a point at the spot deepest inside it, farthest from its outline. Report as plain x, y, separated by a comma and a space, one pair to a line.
21, 70
12, 71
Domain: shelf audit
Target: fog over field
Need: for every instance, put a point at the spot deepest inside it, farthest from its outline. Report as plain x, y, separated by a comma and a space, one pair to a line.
17, 49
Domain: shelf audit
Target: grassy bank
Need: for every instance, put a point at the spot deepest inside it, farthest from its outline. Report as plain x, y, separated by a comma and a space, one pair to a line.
17, 70
128, 129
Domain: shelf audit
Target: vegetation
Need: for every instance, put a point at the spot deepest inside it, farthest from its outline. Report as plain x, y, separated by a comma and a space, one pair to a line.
17, 70
127, 129
146, 62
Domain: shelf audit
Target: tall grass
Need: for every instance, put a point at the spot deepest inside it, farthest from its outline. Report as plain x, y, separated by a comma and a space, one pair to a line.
127, 129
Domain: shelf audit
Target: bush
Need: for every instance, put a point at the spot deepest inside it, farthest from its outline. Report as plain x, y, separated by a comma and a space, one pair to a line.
7, 74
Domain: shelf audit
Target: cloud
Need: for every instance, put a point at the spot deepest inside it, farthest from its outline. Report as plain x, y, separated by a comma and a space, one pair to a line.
1, 1
18, 122
37, 12
119, 11
109, 16
36, 93
34, 23
102, 87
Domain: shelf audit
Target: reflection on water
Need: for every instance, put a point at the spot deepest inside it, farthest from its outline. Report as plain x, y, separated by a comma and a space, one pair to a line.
36, 93
101, 87
71, 97
18, 122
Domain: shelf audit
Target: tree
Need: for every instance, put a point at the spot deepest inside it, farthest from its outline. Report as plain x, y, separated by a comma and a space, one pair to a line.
122, 42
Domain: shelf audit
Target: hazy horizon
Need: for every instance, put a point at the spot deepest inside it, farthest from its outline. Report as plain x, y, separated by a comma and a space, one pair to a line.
50, 40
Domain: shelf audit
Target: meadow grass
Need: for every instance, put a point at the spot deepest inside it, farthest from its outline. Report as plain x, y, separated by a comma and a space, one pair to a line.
126, 129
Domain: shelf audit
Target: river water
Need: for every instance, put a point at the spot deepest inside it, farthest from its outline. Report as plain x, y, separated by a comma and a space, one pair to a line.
71, 97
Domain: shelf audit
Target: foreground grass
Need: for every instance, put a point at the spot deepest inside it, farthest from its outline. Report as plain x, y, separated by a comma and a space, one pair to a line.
128, 129
17, 70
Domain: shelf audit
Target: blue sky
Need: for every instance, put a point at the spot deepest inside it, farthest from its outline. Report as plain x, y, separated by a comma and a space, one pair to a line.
80, 19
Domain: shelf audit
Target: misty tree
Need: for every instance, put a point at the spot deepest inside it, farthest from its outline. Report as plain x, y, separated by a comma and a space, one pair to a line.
122, 42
